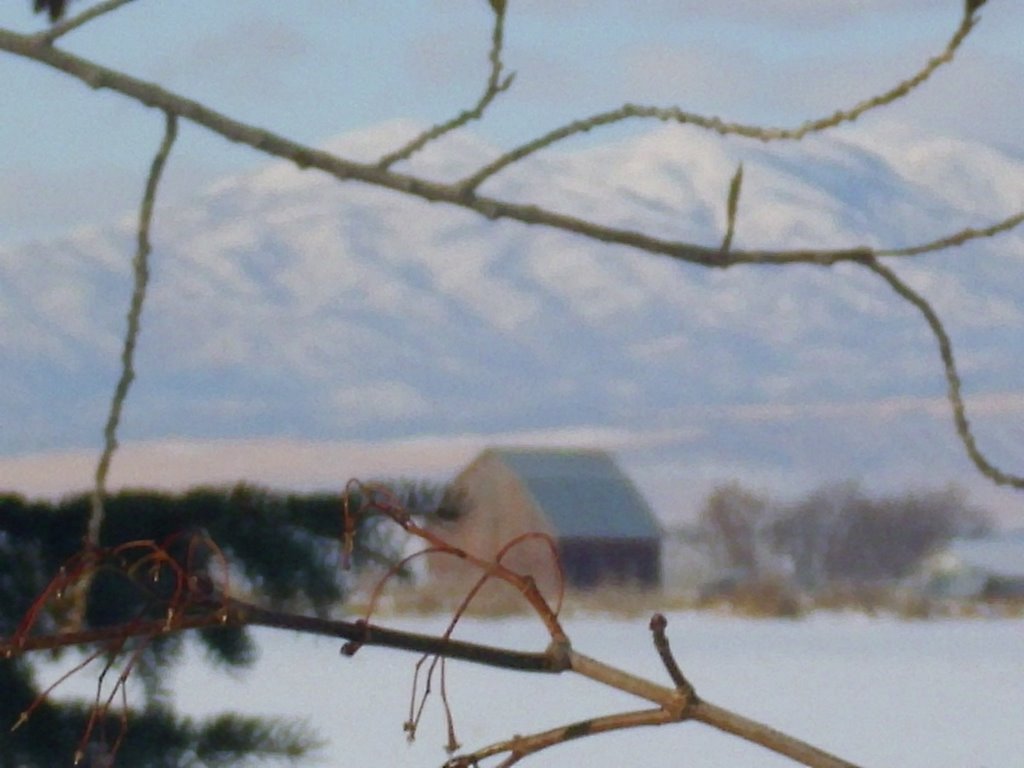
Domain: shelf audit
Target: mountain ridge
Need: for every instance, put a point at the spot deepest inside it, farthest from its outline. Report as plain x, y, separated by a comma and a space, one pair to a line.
286, 305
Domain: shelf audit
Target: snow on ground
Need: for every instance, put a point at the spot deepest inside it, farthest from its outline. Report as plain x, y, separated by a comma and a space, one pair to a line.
879, 692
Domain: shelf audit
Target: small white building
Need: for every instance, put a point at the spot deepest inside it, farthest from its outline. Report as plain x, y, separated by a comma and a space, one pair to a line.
992, 566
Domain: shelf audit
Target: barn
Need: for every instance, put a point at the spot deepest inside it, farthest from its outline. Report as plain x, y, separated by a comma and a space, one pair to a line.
604, 529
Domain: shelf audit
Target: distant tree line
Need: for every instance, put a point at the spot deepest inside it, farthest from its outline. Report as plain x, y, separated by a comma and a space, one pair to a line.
837, 534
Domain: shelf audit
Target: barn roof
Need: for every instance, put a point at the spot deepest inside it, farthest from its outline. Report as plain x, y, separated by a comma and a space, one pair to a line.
583, 494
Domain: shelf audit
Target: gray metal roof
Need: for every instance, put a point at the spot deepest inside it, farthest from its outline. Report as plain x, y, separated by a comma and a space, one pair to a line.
583, 493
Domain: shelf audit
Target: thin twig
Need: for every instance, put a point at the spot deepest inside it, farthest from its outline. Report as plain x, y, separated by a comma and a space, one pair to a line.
495, 85
62, 28
661, 644
44, 695
963, 427
717, 125
386, 503
957, 238
731, 207
520, 747
452, 744
140, 268
302, 156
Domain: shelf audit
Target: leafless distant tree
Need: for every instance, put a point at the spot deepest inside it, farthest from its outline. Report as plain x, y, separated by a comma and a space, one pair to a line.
881, 539
734, 525
836, 534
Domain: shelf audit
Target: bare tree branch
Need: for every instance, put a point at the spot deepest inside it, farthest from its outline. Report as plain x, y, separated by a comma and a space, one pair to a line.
190, 609
731, 207
749, 730
495, 85
717, 125
673, 705
519, 747
958, 238
150, 94
140, 268
963, 427
658, 625
239, 613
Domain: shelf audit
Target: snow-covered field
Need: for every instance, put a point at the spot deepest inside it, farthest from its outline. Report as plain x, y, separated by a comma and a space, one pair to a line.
878, 692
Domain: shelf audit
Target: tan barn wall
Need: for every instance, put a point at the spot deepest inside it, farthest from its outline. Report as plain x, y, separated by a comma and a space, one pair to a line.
498, 508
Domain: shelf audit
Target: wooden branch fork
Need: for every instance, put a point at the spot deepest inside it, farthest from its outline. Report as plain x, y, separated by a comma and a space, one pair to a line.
199, 601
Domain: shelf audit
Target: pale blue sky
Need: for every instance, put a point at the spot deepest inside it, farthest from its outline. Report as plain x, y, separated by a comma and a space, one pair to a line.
314, 69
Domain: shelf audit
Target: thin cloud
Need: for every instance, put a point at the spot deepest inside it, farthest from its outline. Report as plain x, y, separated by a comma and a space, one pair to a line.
246, 56
293, 463
256, 38
377, 402
50, 202
805, 13
991, 405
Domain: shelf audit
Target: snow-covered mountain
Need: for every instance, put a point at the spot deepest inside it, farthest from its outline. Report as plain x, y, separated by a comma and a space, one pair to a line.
285, 304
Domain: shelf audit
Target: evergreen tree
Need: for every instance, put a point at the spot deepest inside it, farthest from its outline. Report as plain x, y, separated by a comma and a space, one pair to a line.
282, 548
